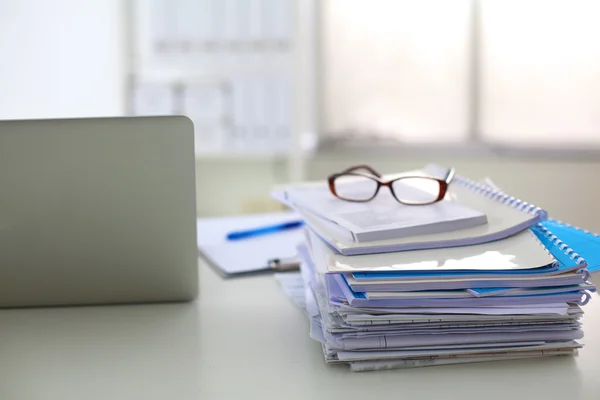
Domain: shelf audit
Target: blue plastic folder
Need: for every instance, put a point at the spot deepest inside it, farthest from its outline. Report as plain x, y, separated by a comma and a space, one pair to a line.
584, 243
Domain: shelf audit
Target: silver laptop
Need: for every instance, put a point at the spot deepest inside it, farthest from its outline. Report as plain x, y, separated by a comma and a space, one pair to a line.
97, 211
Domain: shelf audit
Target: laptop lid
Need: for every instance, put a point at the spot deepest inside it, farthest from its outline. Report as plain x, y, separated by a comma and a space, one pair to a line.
97, 211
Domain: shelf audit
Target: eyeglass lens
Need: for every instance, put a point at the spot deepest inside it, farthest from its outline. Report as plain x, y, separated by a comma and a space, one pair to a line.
355, 187
416, 190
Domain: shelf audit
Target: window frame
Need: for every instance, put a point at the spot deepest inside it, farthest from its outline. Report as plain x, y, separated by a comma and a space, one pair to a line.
476, 143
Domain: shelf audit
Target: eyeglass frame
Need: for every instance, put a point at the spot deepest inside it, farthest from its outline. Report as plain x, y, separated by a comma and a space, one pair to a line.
376, 176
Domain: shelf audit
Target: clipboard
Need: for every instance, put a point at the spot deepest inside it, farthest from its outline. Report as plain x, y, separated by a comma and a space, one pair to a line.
274, 252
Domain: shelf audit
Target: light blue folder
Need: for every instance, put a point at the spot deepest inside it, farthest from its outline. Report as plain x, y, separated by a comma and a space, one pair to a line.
586, 244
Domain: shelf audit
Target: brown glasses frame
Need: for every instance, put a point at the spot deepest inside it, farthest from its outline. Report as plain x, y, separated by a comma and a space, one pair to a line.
376, 176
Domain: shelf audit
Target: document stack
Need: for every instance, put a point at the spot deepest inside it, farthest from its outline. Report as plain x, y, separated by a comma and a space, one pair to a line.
498, 285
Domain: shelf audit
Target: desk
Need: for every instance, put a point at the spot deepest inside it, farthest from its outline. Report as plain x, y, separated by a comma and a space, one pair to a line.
242, 339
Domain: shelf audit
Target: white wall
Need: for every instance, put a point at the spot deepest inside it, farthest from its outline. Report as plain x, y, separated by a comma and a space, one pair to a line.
61, 58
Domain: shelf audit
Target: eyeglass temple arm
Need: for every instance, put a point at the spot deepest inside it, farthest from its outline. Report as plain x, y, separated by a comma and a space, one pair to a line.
449, 175
366, 167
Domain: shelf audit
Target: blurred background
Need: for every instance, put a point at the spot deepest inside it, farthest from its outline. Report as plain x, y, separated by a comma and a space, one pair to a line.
286, 90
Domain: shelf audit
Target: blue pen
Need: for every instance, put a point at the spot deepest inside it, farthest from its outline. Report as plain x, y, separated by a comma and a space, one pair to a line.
237, 235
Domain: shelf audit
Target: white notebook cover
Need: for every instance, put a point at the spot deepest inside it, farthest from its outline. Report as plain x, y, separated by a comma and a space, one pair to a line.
520, 251
506, 216
384, 217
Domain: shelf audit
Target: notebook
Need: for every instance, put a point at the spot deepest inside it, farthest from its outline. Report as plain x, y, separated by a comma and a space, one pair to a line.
566, 260
583, 242
505, 215
355, 300
477, 282
384, 217
471, 293
528, 291
568, 268
522, 251
341, 293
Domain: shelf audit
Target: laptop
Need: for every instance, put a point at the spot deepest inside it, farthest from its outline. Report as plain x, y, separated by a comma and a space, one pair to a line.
97, 211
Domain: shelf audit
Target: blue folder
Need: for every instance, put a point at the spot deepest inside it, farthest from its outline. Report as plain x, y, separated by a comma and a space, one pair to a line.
358, 299
585, 244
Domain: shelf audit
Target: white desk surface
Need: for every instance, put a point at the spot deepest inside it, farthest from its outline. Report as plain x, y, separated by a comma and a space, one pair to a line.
243, 339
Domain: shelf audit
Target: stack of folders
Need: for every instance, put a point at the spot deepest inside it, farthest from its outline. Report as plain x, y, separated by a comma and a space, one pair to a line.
506, 289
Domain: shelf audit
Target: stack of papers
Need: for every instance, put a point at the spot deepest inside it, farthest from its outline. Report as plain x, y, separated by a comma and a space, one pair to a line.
513, 298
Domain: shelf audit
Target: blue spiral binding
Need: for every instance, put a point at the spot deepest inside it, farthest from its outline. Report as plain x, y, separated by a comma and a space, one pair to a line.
576, 228
562, 245
573, 255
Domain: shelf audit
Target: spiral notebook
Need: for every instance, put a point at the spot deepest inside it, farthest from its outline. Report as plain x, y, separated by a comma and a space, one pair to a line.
522, 251
532, 253
506, 216
566, 259
583, 242
568, 264
568, 269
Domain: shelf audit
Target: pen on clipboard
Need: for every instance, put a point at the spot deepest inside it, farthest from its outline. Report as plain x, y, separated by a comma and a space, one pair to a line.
274, 264
264, 230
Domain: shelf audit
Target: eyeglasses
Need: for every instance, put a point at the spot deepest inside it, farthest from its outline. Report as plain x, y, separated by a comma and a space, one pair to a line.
354, 184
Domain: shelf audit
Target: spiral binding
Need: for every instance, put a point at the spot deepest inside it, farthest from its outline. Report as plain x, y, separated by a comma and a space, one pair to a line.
575, 228
586, 298
586, 275
502, 197
561, 245
496, 194
566, 249
491, 184
531, 231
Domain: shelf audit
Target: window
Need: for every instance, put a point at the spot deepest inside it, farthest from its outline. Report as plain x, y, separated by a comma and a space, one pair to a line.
516, 72
540, 72
224, 63
397, 67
